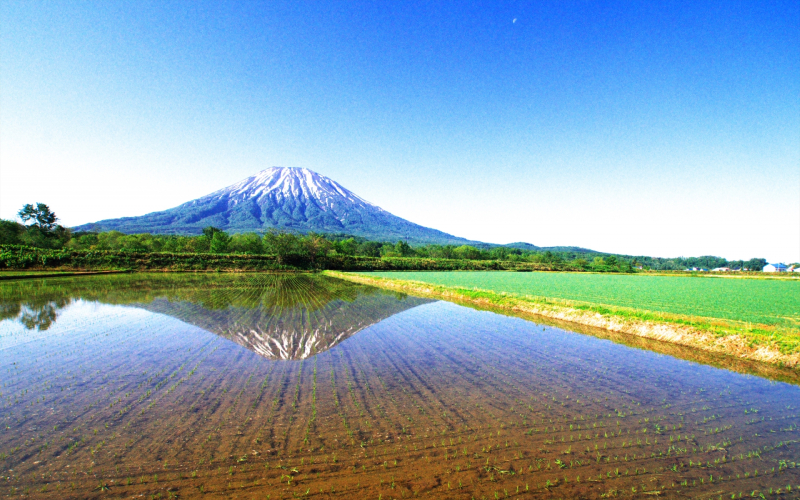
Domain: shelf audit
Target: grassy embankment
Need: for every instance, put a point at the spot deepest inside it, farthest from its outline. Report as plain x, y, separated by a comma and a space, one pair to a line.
765, 328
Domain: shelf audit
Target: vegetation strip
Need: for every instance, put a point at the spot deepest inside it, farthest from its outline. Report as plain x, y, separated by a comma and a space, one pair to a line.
33, 274
742, 340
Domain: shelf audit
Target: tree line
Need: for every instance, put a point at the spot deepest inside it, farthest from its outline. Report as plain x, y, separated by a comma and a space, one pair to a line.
40, 229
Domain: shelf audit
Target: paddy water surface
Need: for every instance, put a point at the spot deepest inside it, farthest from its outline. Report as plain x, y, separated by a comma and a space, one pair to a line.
268, 386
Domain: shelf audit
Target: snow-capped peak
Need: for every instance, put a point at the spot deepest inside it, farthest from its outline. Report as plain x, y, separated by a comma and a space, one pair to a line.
292, 182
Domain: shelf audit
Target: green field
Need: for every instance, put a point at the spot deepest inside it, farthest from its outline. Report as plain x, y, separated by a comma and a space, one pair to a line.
771, 302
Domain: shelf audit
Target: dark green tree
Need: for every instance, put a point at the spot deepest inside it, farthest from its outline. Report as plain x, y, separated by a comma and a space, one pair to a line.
499, 253
403, 249
447, 252
10, 232
41, 215
210, 231
369, 249
755, 264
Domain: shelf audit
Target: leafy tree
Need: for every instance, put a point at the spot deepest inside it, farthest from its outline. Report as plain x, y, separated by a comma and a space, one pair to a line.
41, 215
447, 252
755, 264
10, 232
315, 246
536, 257
580, 263
387, 250
34, 236
203, 244
210, 231
219, 242
152, 242
503, 253
369, 249
468, 252
131, 243
346, 247
84, 241
403, 249
249, 243
281, 244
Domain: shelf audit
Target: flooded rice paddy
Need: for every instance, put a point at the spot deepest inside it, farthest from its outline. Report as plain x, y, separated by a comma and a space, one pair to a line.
270, 386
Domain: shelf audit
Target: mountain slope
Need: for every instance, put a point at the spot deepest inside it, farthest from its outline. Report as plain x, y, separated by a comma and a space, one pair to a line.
285, 198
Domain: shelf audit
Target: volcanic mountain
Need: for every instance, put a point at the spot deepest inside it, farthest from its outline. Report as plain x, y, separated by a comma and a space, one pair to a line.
295, 199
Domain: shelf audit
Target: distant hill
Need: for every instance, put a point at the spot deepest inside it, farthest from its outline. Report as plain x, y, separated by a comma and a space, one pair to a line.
284, 198
529, 247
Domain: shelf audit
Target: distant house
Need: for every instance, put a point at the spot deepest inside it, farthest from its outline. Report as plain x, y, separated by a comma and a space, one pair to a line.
775, 268
721, 269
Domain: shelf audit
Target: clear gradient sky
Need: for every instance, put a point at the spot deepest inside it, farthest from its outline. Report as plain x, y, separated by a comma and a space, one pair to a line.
656, 128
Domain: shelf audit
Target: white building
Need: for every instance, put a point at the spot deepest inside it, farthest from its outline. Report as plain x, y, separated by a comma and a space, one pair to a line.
775, 268
721, 269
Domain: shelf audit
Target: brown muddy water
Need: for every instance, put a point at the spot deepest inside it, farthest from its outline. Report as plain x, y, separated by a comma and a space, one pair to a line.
275, 386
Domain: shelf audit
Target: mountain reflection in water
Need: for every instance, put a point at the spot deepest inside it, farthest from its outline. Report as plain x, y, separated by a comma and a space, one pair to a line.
295, 332
278, 316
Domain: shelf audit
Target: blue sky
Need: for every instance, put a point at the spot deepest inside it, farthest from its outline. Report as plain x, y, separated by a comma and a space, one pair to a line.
650, 128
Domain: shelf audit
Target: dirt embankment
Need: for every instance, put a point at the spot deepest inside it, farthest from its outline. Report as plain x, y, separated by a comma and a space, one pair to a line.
730, 344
